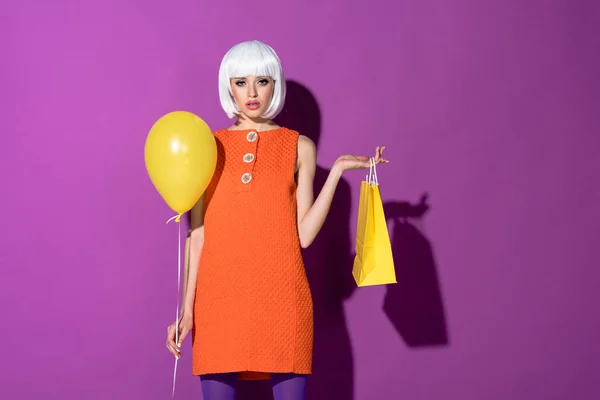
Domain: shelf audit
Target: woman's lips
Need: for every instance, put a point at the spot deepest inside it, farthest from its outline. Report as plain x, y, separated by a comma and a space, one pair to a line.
253, 104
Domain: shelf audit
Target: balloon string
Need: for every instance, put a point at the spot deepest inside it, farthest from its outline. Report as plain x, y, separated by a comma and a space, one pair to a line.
177, 219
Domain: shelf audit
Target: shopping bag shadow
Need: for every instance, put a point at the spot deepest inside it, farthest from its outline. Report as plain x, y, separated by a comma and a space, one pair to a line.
414, 305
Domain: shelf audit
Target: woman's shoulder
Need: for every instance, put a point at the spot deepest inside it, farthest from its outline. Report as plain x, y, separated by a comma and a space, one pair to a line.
306, 145
220, 132
302, 140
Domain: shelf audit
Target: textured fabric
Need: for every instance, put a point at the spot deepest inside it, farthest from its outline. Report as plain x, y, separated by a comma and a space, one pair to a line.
253, 309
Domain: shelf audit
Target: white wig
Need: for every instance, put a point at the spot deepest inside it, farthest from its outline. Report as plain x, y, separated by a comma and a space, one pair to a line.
251, 58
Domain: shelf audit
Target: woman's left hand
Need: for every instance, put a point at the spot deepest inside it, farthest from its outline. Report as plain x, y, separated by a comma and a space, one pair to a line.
348, 162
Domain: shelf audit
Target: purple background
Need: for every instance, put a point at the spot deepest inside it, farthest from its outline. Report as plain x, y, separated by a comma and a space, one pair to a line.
489, 107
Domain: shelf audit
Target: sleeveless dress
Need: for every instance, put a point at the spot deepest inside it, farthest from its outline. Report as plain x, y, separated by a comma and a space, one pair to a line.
253, 311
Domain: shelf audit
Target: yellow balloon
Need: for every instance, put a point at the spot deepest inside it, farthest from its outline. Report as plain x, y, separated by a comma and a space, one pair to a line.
181, 156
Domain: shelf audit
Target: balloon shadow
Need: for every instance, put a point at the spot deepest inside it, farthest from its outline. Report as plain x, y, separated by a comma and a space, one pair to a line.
328, 264
414, 305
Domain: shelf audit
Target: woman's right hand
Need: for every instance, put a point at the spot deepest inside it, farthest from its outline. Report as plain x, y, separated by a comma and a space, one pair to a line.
186, 322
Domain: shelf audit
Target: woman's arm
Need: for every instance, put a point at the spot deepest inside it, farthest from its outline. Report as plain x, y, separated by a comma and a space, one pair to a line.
186, 268
193, 250
311, 216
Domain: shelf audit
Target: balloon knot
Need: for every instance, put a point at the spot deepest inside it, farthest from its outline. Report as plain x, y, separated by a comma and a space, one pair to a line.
177, 218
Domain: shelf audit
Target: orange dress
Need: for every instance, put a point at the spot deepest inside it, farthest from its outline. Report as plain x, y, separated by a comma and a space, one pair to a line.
253, 310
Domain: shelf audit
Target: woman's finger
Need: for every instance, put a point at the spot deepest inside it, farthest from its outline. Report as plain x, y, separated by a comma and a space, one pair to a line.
379, 159
184, 332
171, 345
173, 349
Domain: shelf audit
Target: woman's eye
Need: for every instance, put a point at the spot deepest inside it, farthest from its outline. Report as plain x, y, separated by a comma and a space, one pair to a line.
240, 83
264, 81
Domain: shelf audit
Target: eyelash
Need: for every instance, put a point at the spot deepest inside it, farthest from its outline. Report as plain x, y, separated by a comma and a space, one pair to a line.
262, 81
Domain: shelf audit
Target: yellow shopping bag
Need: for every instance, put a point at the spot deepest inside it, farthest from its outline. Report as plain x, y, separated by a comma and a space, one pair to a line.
373, 263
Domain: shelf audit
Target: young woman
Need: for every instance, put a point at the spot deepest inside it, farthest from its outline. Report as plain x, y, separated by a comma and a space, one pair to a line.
247, 300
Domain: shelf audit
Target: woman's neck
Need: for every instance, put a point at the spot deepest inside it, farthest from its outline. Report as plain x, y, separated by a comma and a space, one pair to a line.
259, 125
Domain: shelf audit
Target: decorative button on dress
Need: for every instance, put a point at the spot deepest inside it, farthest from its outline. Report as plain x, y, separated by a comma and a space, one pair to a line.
253, 310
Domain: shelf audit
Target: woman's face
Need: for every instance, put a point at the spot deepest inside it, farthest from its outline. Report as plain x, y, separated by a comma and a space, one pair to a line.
252, 94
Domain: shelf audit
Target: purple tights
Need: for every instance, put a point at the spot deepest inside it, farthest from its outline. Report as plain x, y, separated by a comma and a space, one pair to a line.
223, 386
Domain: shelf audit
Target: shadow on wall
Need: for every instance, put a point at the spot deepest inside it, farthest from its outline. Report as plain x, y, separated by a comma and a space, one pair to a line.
413, 305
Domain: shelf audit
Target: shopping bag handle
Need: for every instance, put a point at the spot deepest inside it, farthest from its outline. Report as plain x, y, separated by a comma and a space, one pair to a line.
372, 176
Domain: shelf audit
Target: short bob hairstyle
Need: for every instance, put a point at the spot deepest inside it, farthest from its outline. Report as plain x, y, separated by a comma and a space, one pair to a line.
251, 58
